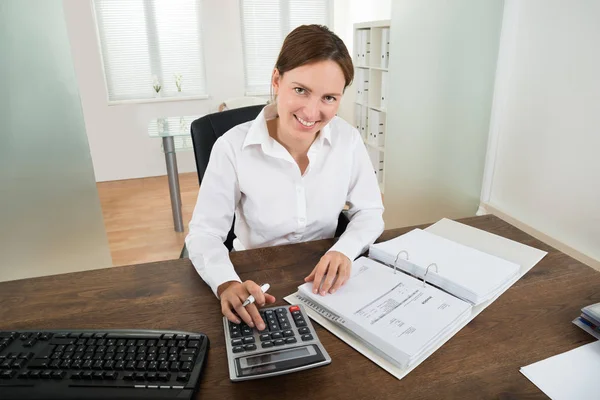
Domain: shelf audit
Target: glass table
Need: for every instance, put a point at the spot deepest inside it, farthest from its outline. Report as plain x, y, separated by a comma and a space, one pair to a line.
168, 128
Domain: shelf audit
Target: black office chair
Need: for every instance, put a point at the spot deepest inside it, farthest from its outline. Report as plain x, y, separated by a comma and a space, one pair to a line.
205, 132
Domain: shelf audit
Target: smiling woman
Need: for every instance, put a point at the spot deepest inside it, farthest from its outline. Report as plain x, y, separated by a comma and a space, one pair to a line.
286, 176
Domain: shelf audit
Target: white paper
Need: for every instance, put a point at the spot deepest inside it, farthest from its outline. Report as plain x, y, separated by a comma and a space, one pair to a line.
568, 376
461, 270
394, 312
507, 249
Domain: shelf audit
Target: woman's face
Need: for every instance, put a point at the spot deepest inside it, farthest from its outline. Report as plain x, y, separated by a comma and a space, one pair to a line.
308, 97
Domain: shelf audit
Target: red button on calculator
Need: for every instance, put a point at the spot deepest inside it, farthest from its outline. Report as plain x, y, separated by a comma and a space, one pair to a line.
294, 308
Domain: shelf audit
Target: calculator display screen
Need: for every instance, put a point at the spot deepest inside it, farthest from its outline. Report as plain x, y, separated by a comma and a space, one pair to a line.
277, 356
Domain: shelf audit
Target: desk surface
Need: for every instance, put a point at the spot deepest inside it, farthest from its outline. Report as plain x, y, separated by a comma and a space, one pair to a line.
528, 323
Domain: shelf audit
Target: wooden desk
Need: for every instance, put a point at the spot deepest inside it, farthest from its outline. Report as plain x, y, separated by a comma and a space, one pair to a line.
528, 323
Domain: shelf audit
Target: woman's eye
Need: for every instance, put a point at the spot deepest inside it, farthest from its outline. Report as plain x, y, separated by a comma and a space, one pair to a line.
329, 99
299, 90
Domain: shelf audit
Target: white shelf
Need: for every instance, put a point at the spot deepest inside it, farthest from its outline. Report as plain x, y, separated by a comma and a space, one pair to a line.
371, 55
377, 108
380, 148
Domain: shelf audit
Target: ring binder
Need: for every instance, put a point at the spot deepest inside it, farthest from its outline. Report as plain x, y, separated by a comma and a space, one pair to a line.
427, 270
398, 255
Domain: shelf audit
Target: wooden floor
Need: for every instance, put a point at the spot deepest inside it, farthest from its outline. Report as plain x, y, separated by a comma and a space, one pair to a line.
139, 221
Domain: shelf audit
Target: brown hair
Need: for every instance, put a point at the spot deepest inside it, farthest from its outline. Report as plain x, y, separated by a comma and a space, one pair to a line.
313, 43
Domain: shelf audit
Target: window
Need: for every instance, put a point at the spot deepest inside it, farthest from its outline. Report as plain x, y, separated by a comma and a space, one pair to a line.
140, 39
265, 23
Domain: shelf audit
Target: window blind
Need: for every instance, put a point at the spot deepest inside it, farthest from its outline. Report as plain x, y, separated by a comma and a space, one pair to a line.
140, 39
265, 24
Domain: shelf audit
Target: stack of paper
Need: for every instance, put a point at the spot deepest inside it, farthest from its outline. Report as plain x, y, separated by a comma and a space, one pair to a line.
396, 314
589, 320
465, 272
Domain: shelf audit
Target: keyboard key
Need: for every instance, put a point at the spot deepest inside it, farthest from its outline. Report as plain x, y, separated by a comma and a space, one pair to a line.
300, 323
191, 352
288, 333
276, 335
249, 339
85, 375
7, 374
110, 375
174, 367
238, 349
186, 358
46, 374
265, 336
186, 366
290, 340
183, 377
250, 347
151, 376
152, 366
35, 364
303, 330
294, 308
75, 375
139, 376
266, 345
306, 337
164, 376
58, 374
119, 366
278, 342
141, 366
237, 342
128, 376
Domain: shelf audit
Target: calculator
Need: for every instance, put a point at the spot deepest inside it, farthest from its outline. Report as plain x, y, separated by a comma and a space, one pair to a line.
288, 344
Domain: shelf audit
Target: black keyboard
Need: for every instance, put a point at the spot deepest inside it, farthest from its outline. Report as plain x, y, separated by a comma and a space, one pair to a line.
108, 364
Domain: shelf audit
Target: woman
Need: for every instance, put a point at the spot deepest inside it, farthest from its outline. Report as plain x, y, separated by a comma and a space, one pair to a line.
287, 175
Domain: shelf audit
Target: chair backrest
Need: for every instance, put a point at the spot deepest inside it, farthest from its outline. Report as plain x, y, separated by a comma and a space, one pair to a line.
205, 132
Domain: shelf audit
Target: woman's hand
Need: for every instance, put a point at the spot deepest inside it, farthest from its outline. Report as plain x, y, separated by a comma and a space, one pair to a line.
233, 294
333, 266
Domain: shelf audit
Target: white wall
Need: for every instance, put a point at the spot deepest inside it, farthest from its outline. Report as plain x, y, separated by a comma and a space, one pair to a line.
119, 142
543, 164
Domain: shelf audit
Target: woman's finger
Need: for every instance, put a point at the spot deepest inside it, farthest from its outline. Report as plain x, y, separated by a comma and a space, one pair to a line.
241, 311
256, 292
320, 271
342, 277
269, 299
311, 276
226, 310
330, 277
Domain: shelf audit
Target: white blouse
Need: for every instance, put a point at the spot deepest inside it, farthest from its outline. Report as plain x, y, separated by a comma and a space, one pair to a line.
254, 176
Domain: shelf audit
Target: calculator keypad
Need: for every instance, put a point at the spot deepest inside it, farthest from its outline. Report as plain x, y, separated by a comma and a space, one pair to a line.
279, 330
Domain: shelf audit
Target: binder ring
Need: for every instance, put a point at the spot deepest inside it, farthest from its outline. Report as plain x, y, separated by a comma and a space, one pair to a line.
427, 270
398, 255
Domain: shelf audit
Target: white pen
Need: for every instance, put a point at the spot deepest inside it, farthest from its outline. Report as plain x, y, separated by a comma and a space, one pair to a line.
251, 299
